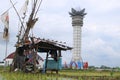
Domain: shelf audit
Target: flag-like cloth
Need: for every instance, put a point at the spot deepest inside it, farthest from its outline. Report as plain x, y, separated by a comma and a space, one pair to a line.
22, 14
23, 10
5, 20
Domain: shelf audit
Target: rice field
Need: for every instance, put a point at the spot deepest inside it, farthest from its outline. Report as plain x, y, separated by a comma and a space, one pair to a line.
62, 75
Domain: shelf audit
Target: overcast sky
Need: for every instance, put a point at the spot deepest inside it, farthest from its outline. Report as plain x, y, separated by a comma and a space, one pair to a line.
100, 32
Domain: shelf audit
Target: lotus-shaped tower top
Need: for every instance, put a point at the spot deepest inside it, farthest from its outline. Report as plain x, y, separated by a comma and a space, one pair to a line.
75, 12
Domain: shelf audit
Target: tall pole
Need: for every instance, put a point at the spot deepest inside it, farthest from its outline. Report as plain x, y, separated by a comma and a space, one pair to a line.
77, 23
6, 54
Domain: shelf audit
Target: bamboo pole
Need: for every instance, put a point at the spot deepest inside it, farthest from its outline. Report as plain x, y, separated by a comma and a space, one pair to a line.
38, 9
46, 62
17, 14
6, 54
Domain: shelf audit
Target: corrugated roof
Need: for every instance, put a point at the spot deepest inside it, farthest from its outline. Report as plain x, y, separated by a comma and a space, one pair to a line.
44, 45
51, 44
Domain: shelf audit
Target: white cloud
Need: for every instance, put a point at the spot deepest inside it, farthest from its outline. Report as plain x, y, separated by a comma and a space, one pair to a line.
108, 29
100, 44
103, 5
112, 30
99, 52
53, 4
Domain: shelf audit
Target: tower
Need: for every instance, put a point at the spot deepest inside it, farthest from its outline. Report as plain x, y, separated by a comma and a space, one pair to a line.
77, 23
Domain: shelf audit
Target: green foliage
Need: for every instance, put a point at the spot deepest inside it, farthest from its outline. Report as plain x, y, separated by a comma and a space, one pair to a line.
63, 75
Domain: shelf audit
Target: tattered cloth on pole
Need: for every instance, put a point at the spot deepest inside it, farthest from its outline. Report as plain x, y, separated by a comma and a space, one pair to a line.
23, 10
5, 20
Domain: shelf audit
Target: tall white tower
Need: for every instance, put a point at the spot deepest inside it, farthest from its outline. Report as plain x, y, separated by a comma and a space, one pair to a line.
77, 23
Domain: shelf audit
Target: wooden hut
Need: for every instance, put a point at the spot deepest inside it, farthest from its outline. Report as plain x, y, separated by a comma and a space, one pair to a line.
50, 47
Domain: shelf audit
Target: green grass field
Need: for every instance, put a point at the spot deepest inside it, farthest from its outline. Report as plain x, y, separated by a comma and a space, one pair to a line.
62, 75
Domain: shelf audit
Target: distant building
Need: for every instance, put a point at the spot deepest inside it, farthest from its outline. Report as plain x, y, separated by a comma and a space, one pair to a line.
2, 63
8, 60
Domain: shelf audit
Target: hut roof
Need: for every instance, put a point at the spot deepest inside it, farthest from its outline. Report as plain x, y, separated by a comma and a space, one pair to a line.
46, 45
10, 56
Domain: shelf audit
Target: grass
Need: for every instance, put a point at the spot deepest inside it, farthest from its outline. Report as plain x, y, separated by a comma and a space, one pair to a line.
63, 75
22, 76
89, 73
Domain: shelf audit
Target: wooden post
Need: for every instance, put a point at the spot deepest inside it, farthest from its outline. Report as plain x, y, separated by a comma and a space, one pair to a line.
35, 55
34, 52
59, 52
46, 62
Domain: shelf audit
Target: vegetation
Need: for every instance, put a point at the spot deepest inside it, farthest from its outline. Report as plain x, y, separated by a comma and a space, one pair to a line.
62, 75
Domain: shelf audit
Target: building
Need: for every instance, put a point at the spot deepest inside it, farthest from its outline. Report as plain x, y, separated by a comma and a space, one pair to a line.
77, 23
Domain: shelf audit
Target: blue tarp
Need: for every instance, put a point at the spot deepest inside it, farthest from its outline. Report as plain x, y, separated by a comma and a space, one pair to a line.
52, 64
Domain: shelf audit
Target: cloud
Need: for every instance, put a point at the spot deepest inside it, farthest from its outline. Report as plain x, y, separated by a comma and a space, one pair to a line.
54, 4
101, 6
99, 52
54, 26
101, 43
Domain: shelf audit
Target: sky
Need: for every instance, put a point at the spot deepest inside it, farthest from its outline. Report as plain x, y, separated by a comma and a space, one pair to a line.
100, 31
